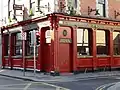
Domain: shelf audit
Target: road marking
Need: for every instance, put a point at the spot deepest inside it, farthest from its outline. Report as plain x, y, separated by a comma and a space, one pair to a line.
2, 70
11, 88
104, 86
13, 85
57, 87
27, 86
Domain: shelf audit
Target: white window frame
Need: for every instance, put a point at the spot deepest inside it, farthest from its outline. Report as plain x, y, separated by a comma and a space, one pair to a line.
77, 9
106, 7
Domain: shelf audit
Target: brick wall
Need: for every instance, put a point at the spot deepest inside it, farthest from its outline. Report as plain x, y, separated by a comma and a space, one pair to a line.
84, 6
112, 5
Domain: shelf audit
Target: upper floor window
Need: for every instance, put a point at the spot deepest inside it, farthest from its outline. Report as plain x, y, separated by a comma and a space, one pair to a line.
76, 4
38, 5
32, 7
73, 6
101, 5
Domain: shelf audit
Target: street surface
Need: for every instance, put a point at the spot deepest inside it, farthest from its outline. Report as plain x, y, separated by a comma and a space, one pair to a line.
91, 84
7, 83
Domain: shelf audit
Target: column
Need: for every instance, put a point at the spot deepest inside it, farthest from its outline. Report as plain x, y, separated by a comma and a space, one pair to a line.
94, 49
111, 47
74, 47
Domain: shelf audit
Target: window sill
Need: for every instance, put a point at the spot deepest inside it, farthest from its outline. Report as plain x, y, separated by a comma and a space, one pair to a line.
103, 56
19, 56
116, 55
84, 56
6, 56
30, 56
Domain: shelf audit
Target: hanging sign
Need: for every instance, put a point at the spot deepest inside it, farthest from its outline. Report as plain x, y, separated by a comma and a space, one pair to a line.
17, 7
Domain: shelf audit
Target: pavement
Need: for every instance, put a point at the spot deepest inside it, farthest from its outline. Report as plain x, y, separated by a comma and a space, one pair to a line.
64, 77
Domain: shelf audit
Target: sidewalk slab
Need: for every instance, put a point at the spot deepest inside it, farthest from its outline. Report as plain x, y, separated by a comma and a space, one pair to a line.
41, 77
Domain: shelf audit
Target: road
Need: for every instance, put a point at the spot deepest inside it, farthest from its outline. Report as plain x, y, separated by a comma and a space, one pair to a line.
90, 84
7, 83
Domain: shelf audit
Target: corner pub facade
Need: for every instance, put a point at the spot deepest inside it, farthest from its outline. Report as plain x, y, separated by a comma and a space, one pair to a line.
67, 43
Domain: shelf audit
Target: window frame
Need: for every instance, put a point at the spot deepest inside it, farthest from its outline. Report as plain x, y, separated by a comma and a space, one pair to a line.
114, 44
17, 45
104, 6
89, 44
30, 47
105, 44
6, 44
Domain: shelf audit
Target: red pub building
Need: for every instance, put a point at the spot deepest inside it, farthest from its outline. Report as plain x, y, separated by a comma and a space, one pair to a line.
67, 43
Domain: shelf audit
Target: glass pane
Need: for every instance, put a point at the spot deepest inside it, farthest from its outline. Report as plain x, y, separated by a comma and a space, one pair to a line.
101, 9
101, 42
101, 1
30, 43
18, 45
76, 3
100, 36
116, 43
101, 50
116, 37
83, 50
116, 49
18, 36
6, 45
18, 50
82, 35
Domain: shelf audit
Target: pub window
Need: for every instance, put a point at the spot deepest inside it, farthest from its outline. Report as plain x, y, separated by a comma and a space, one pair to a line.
116, 43
30, 44
18, 44
6, 44
101, 5
102, 42
83, 42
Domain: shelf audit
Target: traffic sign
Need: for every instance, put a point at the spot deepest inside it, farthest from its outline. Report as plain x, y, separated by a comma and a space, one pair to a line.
23, 34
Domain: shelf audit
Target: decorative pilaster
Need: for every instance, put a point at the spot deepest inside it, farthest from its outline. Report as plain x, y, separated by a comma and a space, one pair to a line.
94, 49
